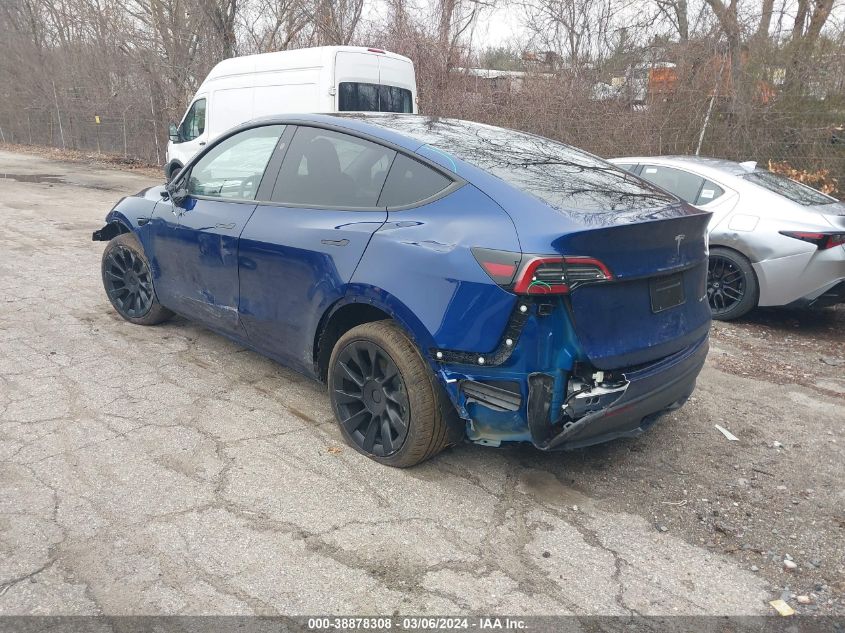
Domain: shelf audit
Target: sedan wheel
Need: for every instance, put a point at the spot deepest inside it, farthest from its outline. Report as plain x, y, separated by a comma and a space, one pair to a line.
731, 284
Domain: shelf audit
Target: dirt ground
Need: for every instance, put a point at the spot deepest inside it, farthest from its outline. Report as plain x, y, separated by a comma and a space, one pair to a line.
168, 471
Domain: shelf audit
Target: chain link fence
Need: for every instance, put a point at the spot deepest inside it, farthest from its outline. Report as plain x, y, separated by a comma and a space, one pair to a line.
810, 140
136, 138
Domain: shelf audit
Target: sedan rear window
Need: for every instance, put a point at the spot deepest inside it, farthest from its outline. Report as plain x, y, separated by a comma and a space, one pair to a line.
795, 191
361, 97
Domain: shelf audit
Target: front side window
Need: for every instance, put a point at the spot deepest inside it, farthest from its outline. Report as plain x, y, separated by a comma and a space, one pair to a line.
682, 183
323, 168
234, 167
194, 123
795, 191
410, 181
363, 97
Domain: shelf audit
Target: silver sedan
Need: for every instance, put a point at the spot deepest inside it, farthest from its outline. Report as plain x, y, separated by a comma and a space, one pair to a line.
773, 241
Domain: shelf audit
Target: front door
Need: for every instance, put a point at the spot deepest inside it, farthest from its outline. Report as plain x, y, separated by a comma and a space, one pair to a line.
298, 255
194, 243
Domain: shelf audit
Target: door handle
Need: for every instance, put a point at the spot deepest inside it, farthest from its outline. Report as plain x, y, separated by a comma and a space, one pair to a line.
202, 143
231, 225
343, 242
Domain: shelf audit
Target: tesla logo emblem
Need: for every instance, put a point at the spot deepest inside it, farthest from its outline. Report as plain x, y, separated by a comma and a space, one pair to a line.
678, 240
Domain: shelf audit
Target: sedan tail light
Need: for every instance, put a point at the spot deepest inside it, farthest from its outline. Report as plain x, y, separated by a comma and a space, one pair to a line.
823, 239
540, 274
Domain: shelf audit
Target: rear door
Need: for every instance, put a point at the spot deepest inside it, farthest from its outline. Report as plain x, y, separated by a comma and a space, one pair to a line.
399, 85
194, 244
298, 253
374, 82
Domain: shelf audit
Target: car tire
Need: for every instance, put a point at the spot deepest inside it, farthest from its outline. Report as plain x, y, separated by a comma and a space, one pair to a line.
369, 402
128, 282
732, 288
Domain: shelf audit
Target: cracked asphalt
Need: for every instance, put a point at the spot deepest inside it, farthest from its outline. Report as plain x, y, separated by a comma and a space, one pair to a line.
166, 470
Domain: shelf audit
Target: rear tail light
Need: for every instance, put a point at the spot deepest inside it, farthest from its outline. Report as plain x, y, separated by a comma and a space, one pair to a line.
537, 274
823, 240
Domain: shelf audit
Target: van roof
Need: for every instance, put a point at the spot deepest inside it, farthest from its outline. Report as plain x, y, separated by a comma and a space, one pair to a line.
294, 58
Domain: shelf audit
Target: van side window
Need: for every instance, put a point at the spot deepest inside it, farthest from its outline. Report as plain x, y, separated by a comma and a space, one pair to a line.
324, 168
361, 97
194, 123
410, 181
234, 167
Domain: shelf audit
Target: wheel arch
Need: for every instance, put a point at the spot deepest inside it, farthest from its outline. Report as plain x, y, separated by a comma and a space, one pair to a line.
114, 226
356, 309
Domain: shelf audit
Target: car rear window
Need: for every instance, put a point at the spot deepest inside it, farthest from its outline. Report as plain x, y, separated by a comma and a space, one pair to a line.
363, 97
410, 181
795, 191
560, 175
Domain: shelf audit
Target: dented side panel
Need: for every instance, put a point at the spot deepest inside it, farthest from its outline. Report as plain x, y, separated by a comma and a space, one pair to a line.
455, 301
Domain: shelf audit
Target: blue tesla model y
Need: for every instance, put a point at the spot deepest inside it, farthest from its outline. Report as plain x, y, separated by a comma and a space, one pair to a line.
448, 280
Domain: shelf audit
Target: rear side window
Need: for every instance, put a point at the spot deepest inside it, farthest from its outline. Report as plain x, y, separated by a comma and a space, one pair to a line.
683, 184
710, 191
795, 191
323, 168
362, 97
410, 181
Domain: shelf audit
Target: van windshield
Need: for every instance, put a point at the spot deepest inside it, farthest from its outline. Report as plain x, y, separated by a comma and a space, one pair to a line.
361, 97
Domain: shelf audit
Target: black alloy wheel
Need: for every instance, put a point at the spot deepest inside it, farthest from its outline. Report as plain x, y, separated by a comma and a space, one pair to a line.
725, 285
370, 398
732, 288
128, 282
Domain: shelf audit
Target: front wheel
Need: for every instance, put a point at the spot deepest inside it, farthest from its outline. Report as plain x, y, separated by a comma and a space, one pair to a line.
129, 282
732, 288
386, 400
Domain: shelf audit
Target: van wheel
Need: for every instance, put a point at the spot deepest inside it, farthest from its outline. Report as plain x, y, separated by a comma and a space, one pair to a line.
732, 288
387, 402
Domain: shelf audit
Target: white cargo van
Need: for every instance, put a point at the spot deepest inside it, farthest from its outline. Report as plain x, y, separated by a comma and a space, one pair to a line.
321, 79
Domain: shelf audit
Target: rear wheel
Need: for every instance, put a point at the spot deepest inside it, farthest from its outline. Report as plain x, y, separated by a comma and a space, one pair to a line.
386, 400
732, 288
129, 282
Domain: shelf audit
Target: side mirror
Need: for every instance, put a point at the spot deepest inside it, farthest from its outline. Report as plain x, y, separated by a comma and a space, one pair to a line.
178, 195
175, 191
173, 132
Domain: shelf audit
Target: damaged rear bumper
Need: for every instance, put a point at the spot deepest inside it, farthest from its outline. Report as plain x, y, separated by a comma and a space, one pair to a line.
649, 392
